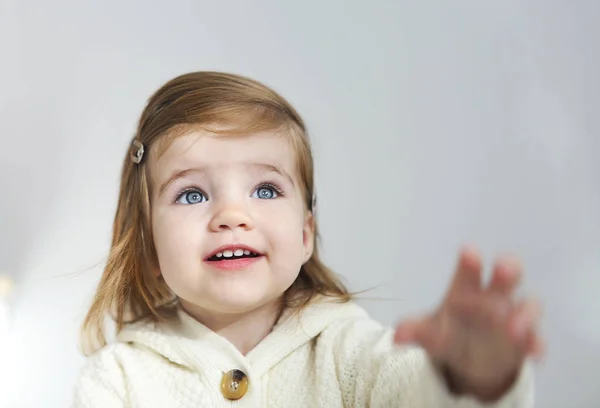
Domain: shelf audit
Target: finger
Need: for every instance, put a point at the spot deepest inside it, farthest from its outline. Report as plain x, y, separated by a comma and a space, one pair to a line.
506, 275
536, 347
467, 276
524, 319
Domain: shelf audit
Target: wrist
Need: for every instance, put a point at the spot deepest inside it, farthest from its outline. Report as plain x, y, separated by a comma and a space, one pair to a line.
484, 389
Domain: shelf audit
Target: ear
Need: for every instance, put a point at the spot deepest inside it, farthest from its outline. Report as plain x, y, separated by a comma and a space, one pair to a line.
308, 235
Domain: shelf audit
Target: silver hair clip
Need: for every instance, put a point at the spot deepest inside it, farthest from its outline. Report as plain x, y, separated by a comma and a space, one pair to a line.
314, 204
139, 154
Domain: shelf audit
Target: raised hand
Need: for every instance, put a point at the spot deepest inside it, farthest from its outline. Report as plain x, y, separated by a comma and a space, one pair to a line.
479, 336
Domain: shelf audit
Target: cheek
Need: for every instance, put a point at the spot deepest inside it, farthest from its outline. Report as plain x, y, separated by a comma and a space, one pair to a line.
285, 230
174, 240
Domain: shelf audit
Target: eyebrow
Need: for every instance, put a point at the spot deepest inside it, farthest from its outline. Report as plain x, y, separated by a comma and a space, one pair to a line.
176, 176
261, 166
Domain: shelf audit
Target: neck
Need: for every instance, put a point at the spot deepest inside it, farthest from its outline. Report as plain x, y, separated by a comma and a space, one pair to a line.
243, 330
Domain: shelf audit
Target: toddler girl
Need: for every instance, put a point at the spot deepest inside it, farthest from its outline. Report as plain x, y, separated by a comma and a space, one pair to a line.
220, 299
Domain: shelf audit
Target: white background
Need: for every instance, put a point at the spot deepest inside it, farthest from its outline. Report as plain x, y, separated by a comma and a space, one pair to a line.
434, 123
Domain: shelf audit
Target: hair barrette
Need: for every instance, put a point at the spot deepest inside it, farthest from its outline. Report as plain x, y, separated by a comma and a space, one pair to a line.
139, 154
313, 209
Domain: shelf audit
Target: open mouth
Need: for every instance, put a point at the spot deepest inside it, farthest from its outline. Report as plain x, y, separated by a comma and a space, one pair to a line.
233, 254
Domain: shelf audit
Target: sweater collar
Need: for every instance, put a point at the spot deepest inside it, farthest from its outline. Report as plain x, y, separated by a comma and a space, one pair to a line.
189, 343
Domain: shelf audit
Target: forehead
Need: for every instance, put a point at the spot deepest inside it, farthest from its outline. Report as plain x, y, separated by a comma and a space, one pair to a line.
201, 148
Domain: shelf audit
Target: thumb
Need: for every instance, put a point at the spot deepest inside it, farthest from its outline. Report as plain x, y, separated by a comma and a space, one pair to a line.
422, 332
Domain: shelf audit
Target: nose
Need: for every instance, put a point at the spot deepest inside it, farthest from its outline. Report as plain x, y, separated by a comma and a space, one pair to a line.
230, 219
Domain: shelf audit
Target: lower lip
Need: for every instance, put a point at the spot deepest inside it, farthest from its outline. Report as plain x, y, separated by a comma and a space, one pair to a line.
234, 264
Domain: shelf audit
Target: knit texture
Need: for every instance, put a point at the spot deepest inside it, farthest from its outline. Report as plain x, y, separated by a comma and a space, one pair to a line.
332, 355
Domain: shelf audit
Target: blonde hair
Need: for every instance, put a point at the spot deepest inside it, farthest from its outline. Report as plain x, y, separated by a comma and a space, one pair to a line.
128, 290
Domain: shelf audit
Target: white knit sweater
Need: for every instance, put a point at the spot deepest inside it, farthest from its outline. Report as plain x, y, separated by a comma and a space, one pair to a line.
333, 355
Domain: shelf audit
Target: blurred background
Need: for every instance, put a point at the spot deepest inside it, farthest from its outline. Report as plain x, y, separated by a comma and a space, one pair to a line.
434, 123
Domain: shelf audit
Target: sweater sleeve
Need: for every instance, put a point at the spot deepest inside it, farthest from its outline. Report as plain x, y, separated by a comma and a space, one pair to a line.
100, 383
373, 372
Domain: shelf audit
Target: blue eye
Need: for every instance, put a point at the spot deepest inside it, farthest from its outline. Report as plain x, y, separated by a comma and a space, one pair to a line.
191, 197
265, 193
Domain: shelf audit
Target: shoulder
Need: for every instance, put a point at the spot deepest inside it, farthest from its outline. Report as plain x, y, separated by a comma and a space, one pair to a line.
355, 335
353, 323
102, 376
369, 367
106, 362
359, 338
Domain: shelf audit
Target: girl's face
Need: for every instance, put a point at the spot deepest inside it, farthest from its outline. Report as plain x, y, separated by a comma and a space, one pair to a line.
230, 227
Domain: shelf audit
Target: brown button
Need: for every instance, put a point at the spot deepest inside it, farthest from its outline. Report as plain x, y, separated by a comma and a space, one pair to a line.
234, 384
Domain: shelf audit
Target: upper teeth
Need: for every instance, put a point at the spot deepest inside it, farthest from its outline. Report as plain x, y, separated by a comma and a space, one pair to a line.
237, 252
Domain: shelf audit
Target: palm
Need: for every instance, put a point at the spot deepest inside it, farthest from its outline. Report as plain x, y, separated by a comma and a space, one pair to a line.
480, 334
